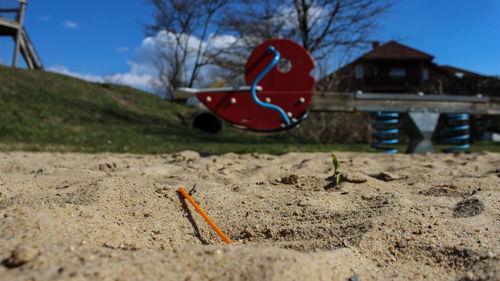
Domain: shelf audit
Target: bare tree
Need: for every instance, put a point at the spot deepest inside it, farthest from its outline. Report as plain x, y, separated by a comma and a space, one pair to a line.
321, 26
324, 27
251, 22
182, 21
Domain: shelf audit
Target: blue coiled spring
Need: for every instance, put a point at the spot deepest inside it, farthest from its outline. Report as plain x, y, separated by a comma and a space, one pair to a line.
457, 132
387, 127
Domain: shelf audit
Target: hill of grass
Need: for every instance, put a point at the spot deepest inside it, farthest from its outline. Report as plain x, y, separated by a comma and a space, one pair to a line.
45, 111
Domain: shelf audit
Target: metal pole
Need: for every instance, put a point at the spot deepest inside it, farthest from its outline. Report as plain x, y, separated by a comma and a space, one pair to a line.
19, 30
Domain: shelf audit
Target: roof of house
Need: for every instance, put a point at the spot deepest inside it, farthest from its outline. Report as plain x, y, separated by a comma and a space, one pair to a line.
389, 51
451, 70
394, 50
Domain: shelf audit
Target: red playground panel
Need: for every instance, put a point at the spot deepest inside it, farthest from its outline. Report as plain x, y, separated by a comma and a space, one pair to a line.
288, 85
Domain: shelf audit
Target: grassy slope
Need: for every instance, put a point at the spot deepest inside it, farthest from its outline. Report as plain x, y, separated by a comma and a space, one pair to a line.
44, 111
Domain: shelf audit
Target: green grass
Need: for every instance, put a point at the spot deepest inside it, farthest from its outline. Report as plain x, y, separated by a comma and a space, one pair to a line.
44, 111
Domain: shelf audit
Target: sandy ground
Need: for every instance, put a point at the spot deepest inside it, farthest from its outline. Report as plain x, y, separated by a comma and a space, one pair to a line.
120, 217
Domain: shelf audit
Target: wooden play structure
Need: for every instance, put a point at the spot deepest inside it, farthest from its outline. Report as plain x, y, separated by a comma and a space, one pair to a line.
13, 26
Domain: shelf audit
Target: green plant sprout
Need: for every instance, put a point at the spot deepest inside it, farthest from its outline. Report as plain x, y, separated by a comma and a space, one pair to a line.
336, 168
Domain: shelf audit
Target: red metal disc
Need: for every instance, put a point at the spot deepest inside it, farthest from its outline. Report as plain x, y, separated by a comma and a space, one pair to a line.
289, 88
298, 78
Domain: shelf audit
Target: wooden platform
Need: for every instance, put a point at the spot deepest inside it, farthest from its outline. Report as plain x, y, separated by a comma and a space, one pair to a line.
23, 44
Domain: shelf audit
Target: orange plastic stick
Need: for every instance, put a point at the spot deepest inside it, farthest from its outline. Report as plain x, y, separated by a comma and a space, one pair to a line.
210, 222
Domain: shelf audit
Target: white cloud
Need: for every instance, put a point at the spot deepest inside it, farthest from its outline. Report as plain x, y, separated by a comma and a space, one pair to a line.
2, 62
133, 78
70, 24
122, 49
224, 41
138, 80
148, 52
45, 18
143, 72
64, 70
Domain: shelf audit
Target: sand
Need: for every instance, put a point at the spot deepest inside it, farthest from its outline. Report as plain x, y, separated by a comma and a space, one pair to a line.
120, 217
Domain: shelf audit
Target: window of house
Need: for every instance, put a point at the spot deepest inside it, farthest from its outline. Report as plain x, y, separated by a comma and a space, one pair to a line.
459, 74
425, 74
397, 72
358, 71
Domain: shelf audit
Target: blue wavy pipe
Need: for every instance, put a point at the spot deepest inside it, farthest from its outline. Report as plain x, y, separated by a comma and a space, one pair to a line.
387, 126
270, 49
457, 133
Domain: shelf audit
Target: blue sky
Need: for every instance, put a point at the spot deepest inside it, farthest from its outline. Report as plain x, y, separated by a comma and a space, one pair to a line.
97, 39
461, 33
85, 36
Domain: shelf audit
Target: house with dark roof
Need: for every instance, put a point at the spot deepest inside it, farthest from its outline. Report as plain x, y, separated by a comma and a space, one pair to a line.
396, 68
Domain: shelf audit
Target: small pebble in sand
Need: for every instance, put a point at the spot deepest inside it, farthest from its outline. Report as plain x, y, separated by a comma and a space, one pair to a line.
354, 278
290, 179
401, 243
354, 177
20, 255
385, 176
468, 208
